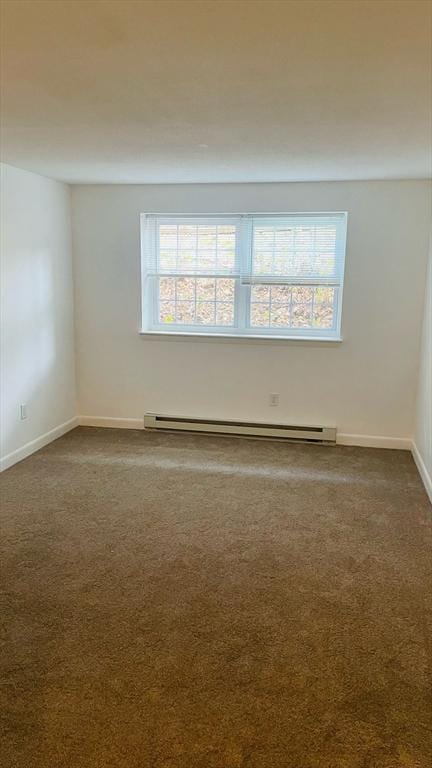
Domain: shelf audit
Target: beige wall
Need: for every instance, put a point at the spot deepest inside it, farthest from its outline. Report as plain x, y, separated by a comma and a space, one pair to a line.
365, 386
37, 344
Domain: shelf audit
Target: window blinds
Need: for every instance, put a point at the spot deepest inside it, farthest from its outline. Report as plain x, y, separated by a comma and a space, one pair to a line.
191, 246
295, 249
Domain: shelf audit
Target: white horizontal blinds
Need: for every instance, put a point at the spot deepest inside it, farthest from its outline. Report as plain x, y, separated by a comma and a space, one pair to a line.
195, 246
296, 250
148, 246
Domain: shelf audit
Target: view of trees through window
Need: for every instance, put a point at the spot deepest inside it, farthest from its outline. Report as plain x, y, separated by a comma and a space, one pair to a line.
211, 301
196, 300
295, 306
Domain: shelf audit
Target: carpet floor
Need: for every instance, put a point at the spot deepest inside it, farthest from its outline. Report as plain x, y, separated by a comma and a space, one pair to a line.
179, 601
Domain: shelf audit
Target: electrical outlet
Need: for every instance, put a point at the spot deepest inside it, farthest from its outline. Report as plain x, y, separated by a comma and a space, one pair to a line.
23, 411
274, 399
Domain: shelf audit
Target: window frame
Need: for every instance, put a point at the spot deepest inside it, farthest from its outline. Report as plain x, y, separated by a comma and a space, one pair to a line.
241, 327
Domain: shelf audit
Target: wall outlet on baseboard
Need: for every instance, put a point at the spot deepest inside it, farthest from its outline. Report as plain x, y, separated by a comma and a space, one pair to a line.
274, 399
23, 411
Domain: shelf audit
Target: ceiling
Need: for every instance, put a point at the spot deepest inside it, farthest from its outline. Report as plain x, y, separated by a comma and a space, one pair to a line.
217, 90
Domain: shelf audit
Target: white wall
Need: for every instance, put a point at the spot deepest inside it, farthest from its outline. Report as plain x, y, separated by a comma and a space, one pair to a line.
365, 386
37, 343
423, 435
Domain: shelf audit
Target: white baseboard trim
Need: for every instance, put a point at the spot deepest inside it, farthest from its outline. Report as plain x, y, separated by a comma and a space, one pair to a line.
365, 441
35, 445
423, 472
108, 421
375, 441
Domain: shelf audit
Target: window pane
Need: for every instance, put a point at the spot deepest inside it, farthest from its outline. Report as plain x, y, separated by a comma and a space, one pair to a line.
206, 261
224, 313
168, 236
324, 293
225, 287
280, 265
197, 300
226, 238
166, 288
264, 237
301, 315
297, 306
280, 315
167, 260
166, 312
284, 240
303, 239
281, 294
260, 315
205, 289
226, 261
301, 293
186, 261
197, 248
260, 293
207, 237
185, 288
262, 263
323, 316
205, 312
185, 312
226, 246
187, 236
301, 250
324, 300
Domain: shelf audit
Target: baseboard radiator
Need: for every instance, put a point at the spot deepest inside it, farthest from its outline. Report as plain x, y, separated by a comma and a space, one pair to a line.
241, 428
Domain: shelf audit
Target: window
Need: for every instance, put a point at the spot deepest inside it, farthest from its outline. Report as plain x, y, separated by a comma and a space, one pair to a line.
249, 275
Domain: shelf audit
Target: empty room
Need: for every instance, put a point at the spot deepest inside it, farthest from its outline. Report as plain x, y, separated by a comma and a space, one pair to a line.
216, 384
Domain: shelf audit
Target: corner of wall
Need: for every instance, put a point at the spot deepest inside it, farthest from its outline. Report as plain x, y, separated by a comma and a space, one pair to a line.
422, 443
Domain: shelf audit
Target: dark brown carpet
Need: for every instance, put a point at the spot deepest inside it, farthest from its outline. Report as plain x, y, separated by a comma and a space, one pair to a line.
196, 602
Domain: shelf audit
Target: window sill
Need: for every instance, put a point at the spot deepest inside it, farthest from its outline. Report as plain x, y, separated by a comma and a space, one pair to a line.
233, 338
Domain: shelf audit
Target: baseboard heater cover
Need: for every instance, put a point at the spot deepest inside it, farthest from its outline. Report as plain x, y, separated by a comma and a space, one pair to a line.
245, 428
